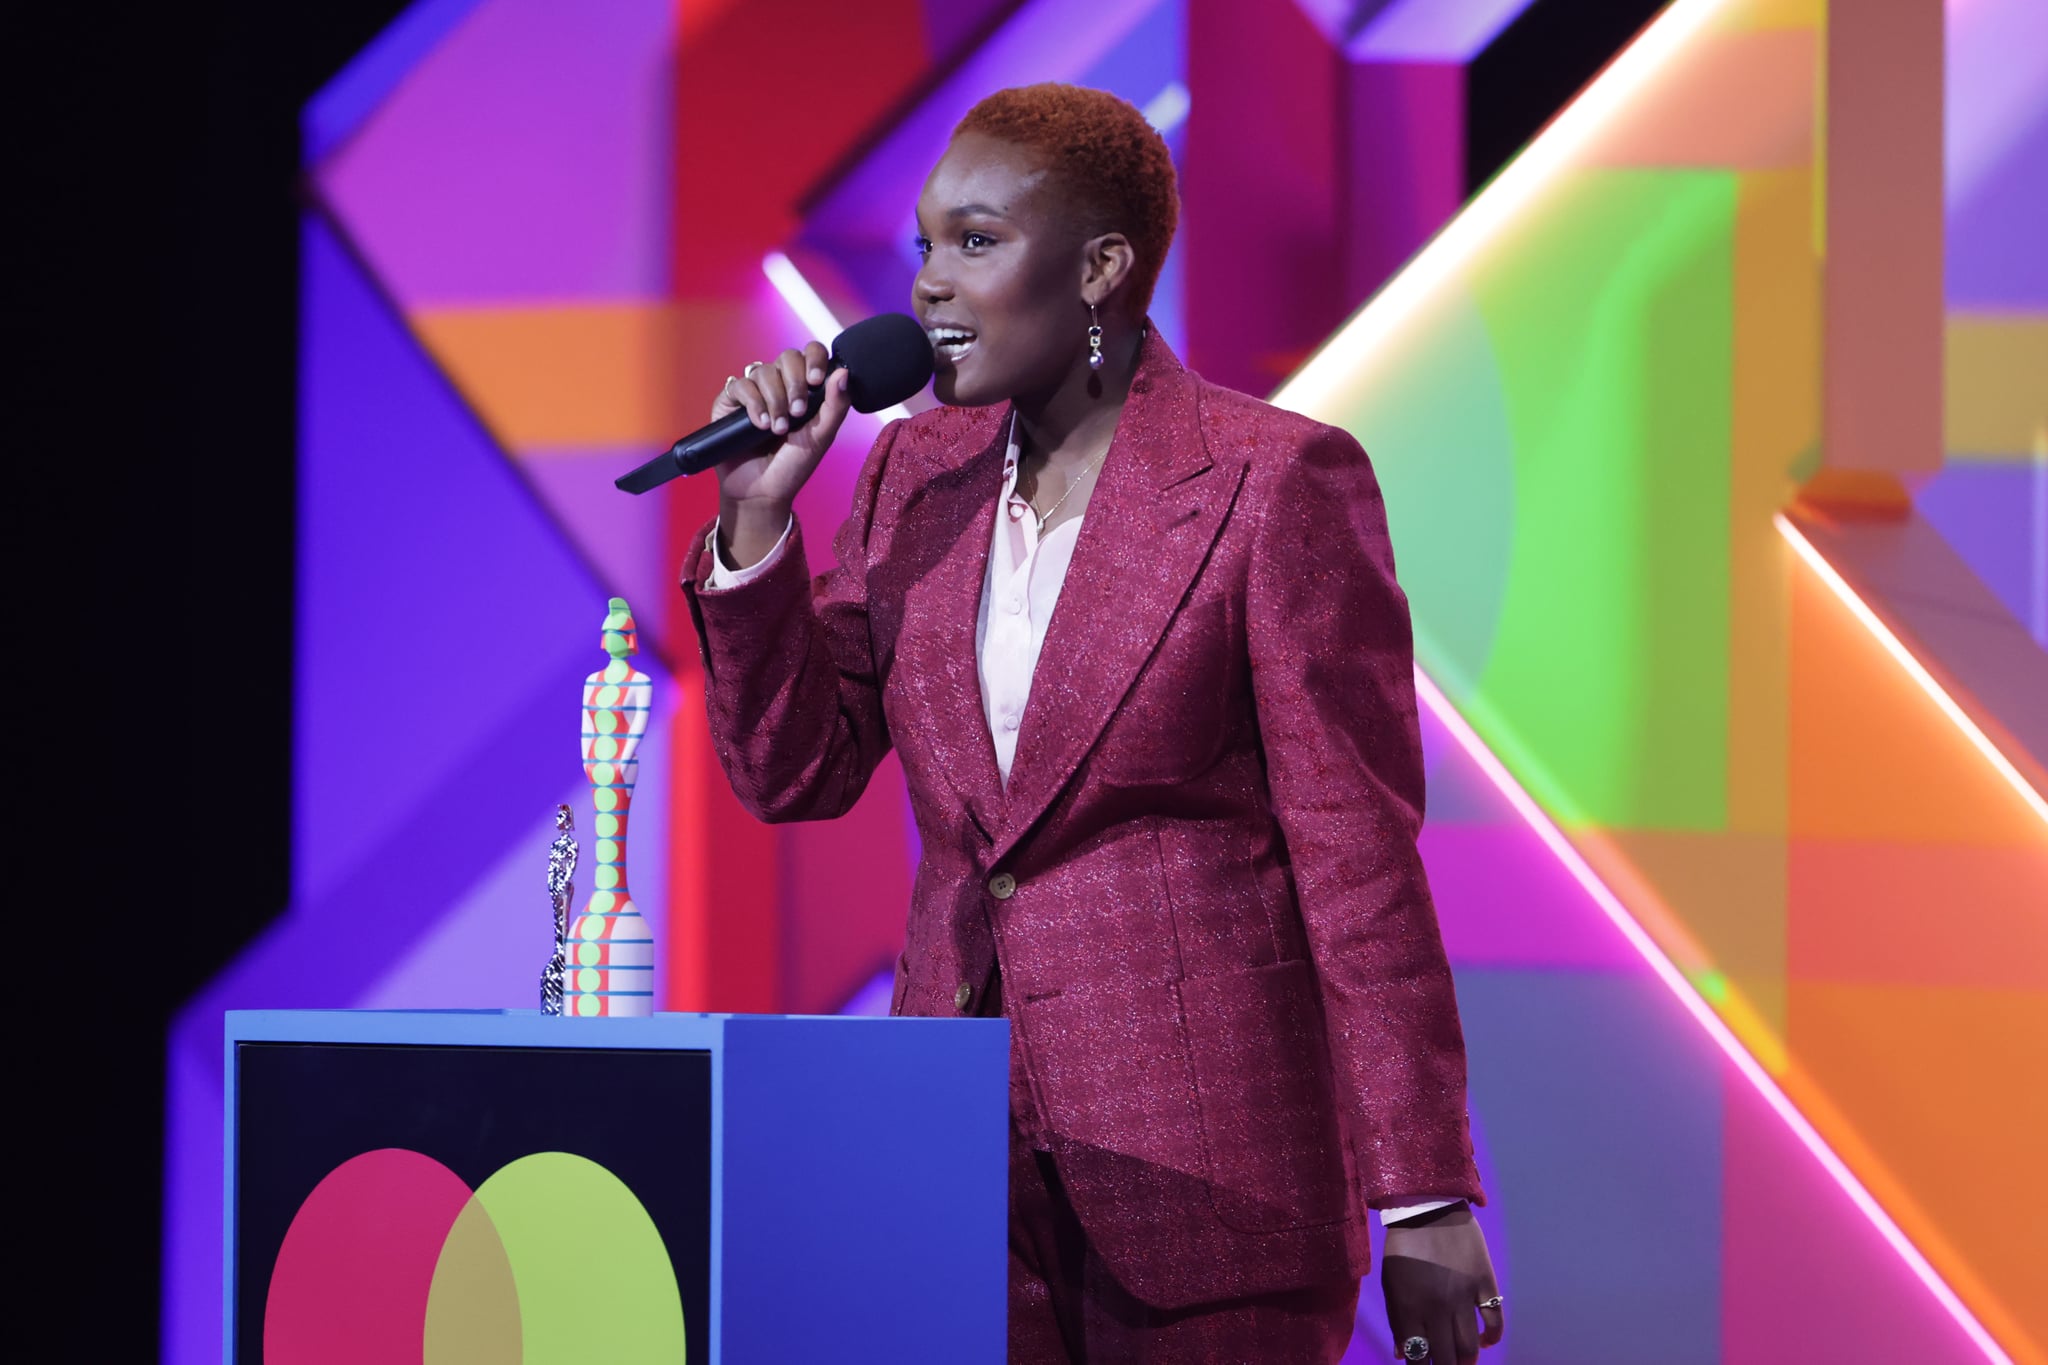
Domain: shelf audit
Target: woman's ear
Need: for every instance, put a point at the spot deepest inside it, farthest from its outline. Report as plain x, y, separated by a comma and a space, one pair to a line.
1107, 262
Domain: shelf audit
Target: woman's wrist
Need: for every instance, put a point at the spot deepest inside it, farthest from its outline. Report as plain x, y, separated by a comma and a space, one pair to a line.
1446, 1213
748, 529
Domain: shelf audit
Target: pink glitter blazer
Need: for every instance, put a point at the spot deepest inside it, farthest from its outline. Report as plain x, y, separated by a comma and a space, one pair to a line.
1233, 1024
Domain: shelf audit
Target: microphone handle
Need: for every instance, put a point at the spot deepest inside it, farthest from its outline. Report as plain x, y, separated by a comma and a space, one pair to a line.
730, 436
726, 438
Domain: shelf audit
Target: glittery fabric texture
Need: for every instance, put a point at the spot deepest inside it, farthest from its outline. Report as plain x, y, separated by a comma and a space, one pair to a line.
1234, 1025
1064, 1306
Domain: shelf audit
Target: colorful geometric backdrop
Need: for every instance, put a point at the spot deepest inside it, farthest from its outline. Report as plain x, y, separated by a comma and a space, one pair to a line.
1731, 597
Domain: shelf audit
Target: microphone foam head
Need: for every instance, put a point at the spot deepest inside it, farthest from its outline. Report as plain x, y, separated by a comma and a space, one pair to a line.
889, 358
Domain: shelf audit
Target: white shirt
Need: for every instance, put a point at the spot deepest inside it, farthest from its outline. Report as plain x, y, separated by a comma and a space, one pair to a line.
1018, 592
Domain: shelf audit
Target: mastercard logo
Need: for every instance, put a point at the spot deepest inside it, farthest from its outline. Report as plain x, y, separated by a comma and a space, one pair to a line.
393, 1258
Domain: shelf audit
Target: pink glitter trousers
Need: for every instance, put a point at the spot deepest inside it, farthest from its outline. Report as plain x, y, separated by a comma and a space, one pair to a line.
1067, 1309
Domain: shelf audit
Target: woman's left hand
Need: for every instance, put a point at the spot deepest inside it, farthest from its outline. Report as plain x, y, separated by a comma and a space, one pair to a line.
1435, 1277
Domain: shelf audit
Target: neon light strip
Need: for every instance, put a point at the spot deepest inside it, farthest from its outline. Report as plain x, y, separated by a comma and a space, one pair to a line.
1914, 668
1376, 325
811, 310
1702, 1012
1169, 108
1315, 385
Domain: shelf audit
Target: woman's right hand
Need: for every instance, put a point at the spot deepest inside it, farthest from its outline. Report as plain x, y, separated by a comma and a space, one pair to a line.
755, 492
775, 395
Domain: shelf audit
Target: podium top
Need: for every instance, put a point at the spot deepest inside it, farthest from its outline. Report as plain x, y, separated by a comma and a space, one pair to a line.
531, 1028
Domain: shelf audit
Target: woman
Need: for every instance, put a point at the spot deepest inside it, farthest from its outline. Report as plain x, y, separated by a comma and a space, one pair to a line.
1170, 829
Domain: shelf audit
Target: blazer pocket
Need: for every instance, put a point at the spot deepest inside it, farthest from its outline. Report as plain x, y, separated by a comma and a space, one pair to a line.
1262, 1082
1111, 1064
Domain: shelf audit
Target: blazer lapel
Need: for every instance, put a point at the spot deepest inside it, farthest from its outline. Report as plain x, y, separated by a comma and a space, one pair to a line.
1156, 510
957, 508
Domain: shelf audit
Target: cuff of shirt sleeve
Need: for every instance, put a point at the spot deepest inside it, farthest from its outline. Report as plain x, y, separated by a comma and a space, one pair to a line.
1415, 1210
722, 577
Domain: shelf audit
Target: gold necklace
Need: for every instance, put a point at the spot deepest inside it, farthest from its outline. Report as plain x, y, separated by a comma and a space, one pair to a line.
1072, 484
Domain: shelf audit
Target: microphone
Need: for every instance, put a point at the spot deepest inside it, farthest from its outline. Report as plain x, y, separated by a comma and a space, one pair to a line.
888, 357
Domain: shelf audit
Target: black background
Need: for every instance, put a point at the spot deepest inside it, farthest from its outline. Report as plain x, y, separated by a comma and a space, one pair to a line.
645, 1116
151, 319
152, 323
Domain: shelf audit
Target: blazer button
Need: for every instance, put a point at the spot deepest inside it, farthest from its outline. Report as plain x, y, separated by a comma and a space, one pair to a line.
961, 996
1002, 886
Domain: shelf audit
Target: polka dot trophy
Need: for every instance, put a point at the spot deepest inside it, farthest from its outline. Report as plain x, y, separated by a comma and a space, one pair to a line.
611, 950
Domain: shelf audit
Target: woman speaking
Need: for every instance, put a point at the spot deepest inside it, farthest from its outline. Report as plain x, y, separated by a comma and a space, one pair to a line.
1138, 643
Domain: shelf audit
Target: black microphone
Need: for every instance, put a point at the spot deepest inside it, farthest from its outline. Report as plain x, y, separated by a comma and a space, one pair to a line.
888, 357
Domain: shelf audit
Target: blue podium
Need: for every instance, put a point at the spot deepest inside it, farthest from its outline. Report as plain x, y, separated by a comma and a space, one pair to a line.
483, 1186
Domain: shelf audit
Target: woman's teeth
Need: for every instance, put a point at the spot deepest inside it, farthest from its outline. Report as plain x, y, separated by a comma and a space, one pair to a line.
950, 343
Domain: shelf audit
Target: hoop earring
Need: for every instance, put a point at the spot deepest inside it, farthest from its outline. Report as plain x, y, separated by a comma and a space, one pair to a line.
1094, 339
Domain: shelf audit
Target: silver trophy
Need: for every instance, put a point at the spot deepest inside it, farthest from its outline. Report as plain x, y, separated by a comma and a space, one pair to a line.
561, 890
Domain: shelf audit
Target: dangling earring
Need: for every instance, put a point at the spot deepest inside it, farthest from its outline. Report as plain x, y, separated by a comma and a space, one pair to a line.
1094, 339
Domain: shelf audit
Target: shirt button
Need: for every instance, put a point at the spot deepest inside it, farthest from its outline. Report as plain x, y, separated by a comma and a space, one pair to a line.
1009, 720
962, 995
1002, 886
1013, 604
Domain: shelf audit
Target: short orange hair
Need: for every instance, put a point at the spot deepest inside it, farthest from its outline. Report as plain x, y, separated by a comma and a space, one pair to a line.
1114, 163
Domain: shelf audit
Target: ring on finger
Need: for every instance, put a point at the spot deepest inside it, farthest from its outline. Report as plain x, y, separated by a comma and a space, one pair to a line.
749, 371
1415, 1348
1494, 1302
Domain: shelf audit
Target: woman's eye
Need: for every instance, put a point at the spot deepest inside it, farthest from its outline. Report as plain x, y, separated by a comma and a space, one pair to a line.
923, 246
974, 241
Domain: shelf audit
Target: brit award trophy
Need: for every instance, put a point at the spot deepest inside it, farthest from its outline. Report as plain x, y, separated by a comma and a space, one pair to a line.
611, 950
561, 889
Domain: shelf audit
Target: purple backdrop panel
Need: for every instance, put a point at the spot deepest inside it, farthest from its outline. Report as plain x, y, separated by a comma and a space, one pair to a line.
1602, 1102
872, 999
192, 1250
950, 24
623, 536
1151, 58
1149, 68
1993, 246
333, 115
485, 951
526, 157
1995, 514
1805, 1276
1405, 155
1458, 792
434, 595
1995, 153
333, 947
480, 953
1504, 899
1453, 31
